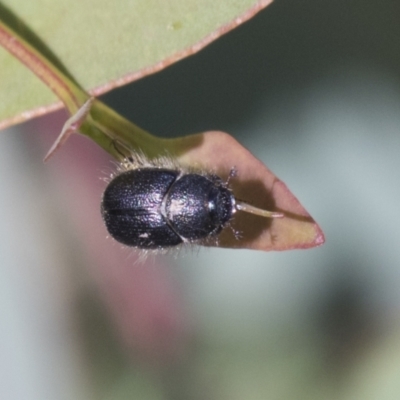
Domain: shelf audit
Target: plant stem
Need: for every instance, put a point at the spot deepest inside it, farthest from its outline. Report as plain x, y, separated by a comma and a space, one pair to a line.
69, 93
103, 125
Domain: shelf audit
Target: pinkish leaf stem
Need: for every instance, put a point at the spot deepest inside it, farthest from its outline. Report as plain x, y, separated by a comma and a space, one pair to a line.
102, 124
71, 95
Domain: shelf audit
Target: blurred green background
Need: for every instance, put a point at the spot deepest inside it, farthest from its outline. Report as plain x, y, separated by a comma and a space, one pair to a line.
312, 88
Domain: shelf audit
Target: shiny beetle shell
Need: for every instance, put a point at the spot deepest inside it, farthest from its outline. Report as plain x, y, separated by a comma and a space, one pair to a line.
157, 208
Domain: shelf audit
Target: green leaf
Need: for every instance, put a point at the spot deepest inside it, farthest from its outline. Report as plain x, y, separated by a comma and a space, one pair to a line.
104, 44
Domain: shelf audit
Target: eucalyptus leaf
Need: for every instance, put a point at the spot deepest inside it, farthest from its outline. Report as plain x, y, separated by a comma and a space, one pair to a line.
104, 44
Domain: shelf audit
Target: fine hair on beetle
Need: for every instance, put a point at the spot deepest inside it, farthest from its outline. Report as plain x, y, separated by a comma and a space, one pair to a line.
158, 205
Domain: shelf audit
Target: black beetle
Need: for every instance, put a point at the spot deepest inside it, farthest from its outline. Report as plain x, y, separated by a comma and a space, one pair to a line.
153, 207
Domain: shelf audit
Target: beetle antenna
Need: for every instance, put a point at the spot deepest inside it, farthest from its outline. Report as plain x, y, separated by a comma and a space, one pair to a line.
241, 206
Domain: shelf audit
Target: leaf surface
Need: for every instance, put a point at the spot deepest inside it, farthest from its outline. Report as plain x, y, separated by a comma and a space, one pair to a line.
104, 44
255, 184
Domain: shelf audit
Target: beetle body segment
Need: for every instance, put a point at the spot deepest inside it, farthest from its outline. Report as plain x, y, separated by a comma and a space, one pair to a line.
131, 208
199, 206
157, 208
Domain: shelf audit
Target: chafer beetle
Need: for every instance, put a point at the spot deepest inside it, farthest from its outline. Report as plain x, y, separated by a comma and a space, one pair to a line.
155, 205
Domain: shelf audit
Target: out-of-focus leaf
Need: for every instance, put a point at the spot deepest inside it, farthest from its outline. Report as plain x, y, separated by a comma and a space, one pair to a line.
104, 44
